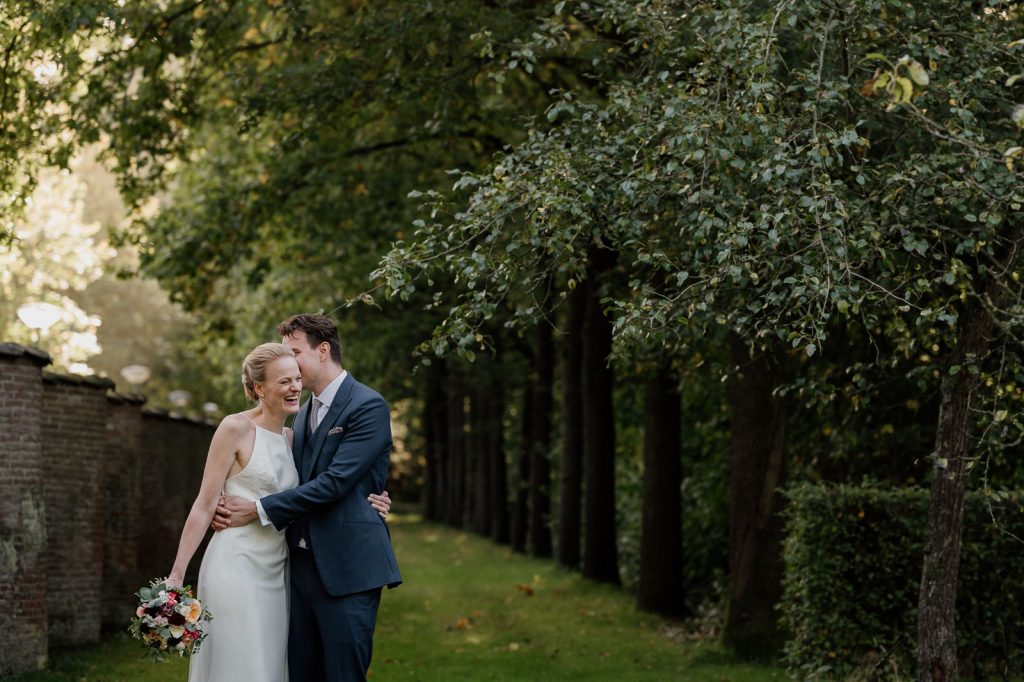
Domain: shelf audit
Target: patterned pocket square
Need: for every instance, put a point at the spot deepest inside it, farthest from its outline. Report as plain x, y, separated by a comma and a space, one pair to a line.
336, 429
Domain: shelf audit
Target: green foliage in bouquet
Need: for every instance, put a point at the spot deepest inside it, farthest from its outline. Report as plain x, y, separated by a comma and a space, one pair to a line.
169, 620
853, 570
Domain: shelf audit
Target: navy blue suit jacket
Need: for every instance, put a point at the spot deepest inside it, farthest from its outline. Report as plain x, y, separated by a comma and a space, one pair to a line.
344, 460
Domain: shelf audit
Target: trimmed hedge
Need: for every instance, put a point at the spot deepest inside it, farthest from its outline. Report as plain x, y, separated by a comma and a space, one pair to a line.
852, 573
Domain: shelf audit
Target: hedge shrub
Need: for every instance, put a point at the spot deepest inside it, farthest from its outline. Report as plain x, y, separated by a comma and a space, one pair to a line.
852, 573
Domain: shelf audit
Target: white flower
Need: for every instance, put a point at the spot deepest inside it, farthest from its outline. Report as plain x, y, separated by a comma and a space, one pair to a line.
177, 631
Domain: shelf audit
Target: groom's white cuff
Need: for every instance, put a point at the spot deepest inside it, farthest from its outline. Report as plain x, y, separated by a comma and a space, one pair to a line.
264, 519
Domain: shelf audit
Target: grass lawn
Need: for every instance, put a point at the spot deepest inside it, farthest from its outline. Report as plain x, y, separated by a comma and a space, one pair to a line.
472, 610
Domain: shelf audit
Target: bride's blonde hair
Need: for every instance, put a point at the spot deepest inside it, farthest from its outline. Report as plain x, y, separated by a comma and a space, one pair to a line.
254, 367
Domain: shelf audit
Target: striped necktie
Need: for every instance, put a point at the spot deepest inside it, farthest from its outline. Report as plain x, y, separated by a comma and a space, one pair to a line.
314, 414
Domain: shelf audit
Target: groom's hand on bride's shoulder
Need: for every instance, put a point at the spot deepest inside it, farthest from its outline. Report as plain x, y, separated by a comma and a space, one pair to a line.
233, 512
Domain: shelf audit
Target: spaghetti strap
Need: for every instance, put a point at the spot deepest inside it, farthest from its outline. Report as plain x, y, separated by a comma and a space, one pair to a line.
250, 420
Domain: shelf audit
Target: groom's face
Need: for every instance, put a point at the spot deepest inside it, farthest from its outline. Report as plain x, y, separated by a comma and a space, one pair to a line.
307, 357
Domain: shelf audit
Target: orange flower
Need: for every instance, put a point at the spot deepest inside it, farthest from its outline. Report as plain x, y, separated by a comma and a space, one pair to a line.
194, 612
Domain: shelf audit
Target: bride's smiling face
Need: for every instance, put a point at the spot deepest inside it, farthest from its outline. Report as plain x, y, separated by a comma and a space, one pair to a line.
281, 390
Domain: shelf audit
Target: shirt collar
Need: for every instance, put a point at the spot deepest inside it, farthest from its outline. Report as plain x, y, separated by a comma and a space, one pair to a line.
326, 396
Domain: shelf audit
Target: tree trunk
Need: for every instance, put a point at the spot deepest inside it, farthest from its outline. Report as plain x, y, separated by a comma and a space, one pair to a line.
470, 463
570, 485
500, 530
936, 614
480, 437
756, 473
520, 513
660, 586
540, 442
456, 450
435, 434
600, 553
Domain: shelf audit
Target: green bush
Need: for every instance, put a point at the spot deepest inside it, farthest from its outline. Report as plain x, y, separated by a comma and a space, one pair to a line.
852, 573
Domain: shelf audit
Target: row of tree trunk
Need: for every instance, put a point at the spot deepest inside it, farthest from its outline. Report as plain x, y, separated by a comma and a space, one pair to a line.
468, 481
472, 483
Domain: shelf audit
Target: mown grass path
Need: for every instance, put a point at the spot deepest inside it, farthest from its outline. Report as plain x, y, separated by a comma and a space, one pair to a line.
472, 610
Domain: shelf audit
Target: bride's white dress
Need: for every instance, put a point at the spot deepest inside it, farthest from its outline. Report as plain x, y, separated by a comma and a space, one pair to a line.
243, 580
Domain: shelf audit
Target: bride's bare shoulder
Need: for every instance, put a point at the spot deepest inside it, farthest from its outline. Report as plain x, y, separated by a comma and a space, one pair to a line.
235, 425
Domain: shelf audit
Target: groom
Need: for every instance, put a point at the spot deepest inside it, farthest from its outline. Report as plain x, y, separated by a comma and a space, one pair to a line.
340, 549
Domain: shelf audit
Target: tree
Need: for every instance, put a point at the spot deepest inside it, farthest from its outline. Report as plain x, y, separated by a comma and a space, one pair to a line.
660, 585
756, 476
600, 554
542, 405
54, 254
570, 480
774, 176
793, 177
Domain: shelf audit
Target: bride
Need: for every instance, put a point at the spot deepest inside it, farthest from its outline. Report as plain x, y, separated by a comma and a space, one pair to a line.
242, 578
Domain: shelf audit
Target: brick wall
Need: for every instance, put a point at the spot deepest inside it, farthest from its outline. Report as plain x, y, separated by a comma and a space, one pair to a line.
173, 456
94, 492
22, 529
122, 492
74, 433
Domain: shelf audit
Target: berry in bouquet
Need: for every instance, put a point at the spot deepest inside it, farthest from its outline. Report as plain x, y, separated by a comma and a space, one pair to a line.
169, 620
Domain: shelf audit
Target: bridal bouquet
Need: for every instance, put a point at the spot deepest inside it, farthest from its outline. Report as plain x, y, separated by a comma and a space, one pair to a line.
169, 620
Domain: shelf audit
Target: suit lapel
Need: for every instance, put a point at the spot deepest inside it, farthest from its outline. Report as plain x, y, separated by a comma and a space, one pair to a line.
341, 400
300, 425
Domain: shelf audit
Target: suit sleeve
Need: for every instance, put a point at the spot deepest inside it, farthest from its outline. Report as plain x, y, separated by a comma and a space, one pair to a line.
368, 437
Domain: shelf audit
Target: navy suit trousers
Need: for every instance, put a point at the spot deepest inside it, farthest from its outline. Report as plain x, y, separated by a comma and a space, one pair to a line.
330, 639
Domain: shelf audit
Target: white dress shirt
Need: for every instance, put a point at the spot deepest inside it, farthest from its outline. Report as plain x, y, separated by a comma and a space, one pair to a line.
326, 397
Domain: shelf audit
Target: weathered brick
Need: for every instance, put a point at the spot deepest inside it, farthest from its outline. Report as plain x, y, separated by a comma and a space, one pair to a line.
23, 615
94, 492
73, 428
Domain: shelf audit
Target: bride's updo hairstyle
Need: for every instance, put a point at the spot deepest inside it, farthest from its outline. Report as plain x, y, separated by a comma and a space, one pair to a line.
254, 367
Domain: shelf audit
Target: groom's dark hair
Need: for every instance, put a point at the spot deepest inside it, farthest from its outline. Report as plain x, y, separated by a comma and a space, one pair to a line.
318, 329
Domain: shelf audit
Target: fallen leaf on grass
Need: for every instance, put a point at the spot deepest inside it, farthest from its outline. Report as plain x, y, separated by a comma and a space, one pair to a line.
460, 624
525, 589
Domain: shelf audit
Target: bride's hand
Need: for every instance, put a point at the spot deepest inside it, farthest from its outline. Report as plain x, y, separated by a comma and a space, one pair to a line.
221, 517
174, 581
234, 512
382, 503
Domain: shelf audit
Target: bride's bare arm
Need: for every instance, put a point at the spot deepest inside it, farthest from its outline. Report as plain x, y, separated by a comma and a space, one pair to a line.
226, 442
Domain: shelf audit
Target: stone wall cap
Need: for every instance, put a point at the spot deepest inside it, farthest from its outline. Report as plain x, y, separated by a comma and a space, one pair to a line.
78, 380
16, 350
125, 398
